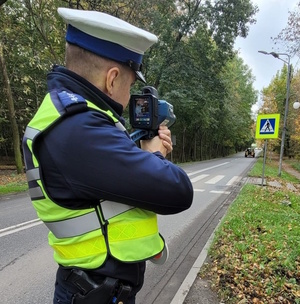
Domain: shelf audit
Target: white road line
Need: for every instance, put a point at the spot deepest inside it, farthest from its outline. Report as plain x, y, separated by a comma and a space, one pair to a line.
19, 227
199, 190
233, 180
199, 171
215, 179
197, 178
219, 192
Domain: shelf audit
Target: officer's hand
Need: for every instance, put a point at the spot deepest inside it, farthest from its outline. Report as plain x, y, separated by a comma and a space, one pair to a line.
161, 143
165, 135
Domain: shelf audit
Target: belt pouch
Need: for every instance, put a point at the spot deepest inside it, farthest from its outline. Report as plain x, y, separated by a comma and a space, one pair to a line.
102, 294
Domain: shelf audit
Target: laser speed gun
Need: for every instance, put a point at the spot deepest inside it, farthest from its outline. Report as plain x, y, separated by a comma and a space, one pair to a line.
147, 113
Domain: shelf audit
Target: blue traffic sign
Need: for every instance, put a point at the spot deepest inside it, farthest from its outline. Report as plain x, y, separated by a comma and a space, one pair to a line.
267, 126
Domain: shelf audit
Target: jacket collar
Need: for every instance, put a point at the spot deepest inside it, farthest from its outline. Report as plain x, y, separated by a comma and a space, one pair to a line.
62, 78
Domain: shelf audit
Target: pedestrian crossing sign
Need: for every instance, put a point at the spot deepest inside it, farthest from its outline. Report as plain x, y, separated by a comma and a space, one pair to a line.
267, 126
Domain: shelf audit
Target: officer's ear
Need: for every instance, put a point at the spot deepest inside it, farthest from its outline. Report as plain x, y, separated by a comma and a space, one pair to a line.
112, 76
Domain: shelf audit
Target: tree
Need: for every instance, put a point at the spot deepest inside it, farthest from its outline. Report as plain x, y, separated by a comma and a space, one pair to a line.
274, 100
186, 65
8, 97
290, 35
11, 112
28, 37
236, 111
294, 117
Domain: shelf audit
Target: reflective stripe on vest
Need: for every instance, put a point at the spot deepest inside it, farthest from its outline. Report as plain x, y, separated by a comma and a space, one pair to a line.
36, 193
79, 225
87, 222
33, 174
31, 133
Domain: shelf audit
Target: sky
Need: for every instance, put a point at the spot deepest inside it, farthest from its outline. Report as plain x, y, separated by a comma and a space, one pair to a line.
270, 20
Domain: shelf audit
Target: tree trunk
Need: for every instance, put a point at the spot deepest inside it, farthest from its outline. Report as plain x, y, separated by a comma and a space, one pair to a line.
11, 113
183, 145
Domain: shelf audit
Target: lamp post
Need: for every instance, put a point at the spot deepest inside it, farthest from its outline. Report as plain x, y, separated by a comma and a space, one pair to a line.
276, 55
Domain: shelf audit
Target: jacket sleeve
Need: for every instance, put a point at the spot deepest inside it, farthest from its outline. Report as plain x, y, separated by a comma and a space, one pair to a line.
86, 158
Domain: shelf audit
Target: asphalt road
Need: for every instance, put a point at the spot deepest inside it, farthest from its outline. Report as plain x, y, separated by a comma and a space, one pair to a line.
27, 270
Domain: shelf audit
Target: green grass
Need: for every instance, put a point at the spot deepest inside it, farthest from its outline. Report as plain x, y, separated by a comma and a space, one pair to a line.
255, 252
13, 188
271, 170
10, 182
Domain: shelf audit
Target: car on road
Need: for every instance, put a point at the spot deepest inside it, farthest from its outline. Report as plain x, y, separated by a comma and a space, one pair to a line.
250, 152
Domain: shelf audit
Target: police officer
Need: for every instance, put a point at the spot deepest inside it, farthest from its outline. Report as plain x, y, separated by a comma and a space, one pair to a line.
96, 191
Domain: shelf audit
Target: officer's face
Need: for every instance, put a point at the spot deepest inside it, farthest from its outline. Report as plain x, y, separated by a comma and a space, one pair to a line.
123, 84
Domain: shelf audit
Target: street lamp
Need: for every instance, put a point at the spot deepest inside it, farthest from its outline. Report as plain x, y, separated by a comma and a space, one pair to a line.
276, 55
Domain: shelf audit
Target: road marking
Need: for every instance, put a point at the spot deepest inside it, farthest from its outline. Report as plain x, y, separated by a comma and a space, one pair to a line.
233, 180
213, 191
199, 171
19, 227
196, 179
215, 179
219, 192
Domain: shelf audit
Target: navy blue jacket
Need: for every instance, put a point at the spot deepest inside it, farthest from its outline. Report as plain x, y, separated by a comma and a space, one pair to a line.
85, 158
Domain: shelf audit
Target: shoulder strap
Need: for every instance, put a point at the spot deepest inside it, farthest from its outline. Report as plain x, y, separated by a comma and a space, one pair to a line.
72, 103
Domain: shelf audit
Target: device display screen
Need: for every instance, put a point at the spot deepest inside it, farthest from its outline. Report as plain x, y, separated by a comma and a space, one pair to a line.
142, 110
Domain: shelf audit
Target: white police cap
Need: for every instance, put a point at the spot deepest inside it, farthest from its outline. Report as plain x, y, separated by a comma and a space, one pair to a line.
108, 36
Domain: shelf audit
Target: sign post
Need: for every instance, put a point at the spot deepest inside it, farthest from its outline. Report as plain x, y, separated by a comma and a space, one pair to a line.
267, 126
265, 156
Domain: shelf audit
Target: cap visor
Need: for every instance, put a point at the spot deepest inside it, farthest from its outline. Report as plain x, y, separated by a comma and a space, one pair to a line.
140, 76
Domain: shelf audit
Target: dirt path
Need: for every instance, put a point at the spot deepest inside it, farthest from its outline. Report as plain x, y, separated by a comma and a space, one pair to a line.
289, 169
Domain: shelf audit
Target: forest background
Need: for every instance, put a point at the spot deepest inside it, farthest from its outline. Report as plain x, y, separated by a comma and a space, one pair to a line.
193, 66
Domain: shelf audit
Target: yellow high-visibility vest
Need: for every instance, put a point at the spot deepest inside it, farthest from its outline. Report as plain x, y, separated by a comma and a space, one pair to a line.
77, 235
